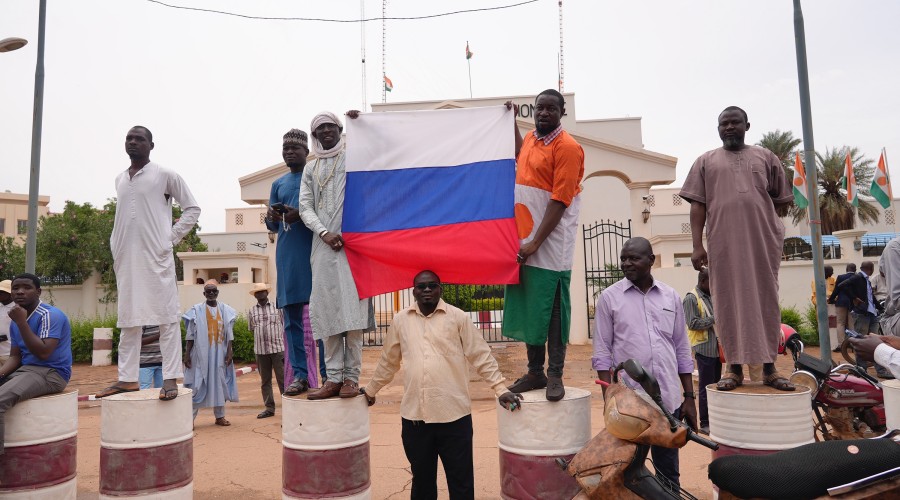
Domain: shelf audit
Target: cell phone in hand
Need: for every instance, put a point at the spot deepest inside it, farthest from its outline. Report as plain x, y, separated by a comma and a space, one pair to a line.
280, 208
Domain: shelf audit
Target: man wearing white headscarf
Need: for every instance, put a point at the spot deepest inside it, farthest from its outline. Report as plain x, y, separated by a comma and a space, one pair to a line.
337, 314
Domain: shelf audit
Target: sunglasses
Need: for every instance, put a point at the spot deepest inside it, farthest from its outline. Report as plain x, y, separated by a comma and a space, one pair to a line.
214, 292
428, 286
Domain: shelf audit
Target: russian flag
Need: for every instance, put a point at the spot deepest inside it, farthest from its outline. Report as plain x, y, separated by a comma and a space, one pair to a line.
430, 190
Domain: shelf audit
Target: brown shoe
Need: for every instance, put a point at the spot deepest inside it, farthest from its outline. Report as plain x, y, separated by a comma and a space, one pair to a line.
529, 382
350, 389
555, 389
329, 390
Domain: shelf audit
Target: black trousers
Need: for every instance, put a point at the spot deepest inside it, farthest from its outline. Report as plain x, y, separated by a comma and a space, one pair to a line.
555, 346
452, 442
710, 370
665, 460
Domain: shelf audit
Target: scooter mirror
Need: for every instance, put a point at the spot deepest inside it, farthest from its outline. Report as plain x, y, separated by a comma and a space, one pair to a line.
634, 370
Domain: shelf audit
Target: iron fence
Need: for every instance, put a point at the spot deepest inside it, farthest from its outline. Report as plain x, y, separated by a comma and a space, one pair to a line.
602, 244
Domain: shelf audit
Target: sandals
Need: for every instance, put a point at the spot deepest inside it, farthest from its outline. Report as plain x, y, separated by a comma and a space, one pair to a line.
221, 421
113, 390
168, 394
729, 382
266, 414
777, 381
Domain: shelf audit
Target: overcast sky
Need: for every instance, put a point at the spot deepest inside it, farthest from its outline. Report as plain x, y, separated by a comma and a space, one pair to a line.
218, 92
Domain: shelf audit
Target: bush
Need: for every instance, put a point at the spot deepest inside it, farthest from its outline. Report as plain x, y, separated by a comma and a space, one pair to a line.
83, 338
488, 304
812, 317
459, 295
792, 317
809, 337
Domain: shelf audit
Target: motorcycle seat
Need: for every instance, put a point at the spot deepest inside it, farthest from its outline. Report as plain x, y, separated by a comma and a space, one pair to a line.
806, 471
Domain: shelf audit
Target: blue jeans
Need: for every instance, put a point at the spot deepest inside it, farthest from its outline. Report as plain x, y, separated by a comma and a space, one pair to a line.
151, 376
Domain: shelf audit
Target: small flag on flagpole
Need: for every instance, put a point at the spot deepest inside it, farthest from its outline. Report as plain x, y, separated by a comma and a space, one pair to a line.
852, 197
881, 184
800, 184
469, 53
388, 84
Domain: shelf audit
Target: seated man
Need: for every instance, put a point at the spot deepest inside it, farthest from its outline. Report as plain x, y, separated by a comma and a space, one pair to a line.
40, 359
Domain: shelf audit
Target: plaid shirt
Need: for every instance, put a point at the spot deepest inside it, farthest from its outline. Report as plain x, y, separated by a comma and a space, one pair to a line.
549, 137
267, 325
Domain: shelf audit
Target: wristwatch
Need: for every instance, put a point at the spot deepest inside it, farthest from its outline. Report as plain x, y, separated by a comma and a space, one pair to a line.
690, 395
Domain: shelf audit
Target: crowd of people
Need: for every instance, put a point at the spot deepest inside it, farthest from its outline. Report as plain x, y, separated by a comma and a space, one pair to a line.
311, 336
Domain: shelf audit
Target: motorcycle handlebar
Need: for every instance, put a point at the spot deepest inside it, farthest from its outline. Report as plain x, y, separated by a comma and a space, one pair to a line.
702, 441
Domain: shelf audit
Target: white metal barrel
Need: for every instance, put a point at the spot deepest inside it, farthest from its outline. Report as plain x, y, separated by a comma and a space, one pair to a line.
40, 438
533, 437
325, 448
755, 419
146, 446
892, 403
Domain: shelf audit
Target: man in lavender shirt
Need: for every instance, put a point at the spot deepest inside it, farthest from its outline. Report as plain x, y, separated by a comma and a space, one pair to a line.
643, 319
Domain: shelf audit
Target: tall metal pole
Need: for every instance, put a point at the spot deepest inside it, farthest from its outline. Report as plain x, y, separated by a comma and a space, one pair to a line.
36, 125
362, 48
383, 51
562, 67
469, 61
812, 183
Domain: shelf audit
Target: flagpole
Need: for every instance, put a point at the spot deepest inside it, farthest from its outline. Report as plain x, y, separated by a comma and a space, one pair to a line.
469, 62
887, 172
812, 184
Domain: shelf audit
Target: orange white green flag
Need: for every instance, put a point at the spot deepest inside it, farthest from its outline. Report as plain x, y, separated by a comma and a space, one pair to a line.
799, 184
852, 197
881, 184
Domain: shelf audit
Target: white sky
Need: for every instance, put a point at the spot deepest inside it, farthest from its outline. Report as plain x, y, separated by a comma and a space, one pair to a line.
218, 92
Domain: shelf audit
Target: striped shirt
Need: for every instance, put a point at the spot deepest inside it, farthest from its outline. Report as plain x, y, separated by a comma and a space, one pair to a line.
150, 353
707, 322
267, 325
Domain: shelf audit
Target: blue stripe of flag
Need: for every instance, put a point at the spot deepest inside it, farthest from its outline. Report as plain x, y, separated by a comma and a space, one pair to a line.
409, 198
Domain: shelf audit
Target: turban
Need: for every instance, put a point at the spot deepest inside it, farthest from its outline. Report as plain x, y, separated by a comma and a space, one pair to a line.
322, 118
297, 136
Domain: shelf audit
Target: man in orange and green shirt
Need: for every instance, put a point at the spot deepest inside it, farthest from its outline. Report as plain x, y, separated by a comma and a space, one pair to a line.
549, 168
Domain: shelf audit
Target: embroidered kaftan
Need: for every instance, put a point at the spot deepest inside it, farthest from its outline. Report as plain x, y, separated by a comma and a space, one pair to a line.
212, 381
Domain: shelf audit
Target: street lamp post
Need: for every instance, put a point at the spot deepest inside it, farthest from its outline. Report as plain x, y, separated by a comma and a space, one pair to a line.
36, 124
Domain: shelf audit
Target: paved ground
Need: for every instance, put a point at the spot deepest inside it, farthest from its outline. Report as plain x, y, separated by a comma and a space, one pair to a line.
244, 460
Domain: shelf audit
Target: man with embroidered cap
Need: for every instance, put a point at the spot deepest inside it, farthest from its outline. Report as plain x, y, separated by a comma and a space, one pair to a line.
292, 260
337, 314
208, 354
549, 168
142, 242
40, 360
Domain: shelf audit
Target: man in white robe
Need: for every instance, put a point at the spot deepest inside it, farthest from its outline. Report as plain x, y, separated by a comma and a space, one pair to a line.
337, 314
208, 354
142, 240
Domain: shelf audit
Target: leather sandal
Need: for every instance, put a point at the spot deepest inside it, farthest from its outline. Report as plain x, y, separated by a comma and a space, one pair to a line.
729, 382
778, 381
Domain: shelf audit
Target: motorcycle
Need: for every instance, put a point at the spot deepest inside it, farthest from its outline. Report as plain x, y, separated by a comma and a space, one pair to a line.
613, 463
847, 402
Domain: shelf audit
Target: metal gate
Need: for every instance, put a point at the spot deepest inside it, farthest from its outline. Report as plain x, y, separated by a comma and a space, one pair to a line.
602, 243
484, 304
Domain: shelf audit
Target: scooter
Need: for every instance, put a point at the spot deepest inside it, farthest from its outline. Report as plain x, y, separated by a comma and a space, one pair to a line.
847, 402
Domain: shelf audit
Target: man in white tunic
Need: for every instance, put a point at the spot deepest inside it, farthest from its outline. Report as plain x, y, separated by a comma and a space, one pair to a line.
142, 240
337, 314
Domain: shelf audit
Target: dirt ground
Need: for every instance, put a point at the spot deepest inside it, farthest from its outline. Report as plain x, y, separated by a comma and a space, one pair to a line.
244, 460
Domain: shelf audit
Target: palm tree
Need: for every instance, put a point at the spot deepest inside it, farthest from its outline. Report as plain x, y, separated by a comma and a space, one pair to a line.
836, 212
783, 144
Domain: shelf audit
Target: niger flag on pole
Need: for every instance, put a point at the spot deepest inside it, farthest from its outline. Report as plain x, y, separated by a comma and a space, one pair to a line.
852, 197
388, 84
469, 53
881, 184
799, 184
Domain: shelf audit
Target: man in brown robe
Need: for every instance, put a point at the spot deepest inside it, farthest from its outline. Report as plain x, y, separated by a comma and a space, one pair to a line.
740, 192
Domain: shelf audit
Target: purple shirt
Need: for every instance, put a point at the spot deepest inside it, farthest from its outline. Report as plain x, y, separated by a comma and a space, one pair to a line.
647, 327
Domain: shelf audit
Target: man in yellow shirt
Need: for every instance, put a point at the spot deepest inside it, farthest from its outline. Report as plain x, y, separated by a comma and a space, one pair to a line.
830, 280
436, 340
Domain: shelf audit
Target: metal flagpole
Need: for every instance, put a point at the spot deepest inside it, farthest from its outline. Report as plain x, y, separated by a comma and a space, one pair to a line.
812, 183
362, 48
36, 126
887, 172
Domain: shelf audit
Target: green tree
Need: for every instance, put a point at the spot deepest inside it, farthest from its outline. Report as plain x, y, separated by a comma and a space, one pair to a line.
837, 213
72, 244
12, 258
